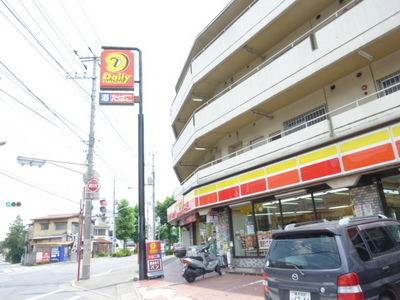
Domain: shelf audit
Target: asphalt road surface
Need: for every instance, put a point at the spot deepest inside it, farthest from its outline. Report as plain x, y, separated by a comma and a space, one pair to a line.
50, 281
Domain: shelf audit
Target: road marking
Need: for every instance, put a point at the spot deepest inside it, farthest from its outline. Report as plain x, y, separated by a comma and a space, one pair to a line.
45, 295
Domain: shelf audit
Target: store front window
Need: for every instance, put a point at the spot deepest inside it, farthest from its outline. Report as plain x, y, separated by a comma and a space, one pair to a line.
244, 230
254, 223
391, 190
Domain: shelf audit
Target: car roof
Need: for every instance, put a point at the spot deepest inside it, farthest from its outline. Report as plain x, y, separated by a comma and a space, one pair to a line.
331, 226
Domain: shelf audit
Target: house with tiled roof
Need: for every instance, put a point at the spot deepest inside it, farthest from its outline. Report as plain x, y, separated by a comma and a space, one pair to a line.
53, 238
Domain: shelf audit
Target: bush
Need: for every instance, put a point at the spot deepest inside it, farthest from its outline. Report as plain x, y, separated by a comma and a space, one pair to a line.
121, 253
100, 254
169, 252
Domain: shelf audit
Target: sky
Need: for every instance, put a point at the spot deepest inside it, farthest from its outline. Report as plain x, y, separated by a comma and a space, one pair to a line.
45, 87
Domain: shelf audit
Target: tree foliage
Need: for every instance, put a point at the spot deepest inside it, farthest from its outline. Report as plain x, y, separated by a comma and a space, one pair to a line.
127, 222
15, 240
166, 231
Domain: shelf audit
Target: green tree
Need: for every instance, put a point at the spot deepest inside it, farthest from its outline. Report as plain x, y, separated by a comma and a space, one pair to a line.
164, 229
127, 222
15, 240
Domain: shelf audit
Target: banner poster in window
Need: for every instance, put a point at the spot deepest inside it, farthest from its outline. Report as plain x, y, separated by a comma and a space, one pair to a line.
264, 240
367, 209
43, 257
358, 210
212, 217
250, 227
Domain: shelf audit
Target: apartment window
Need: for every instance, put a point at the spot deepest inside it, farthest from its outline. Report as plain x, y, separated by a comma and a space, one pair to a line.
61, 226
44, 226
274, 136
98, 231
75, 227
392, 81
309, 118
258, 142
234, 148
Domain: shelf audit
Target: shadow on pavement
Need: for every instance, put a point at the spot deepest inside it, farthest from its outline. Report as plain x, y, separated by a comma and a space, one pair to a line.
212, 286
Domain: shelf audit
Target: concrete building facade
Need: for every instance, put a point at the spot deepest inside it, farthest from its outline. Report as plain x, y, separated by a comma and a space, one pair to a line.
286, 111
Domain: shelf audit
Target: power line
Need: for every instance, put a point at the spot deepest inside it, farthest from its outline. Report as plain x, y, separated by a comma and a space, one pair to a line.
14, 177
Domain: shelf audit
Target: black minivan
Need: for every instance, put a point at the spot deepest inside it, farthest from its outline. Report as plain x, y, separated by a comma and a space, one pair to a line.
350, 259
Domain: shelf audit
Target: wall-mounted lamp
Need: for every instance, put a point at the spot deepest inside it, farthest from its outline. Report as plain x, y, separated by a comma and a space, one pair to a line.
187, 165
198, 147
366, 55
199, 98
256, 112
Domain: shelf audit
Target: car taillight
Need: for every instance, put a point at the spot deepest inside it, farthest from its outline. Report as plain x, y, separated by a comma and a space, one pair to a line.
349, 287
265, 282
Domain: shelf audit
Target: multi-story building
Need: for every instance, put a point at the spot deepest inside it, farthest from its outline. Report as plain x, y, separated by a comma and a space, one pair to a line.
52, 238
287, 111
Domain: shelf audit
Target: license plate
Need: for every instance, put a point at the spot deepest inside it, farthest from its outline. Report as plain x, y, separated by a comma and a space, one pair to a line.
297, 295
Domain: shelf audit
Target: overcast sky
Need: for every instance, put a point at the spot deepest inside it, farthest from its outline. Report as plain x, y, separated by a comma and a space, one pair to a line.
45, 115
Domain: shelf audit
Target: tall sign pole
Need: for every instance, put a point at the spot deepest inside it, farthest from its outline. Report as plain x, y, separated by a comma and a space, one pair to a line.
117, 75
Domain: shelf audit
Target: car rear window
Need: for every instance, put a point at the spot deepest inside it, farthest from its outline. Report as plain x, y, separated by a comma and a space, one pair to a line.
304, 251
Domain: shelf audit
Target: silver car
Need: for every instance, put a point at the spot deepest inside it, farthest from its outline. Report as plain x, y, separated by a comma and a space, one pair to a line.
349, 259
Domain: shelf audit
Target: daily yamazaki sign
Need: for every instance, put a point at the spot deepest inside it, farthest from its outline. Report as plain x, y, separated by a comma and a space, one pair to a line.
117, 70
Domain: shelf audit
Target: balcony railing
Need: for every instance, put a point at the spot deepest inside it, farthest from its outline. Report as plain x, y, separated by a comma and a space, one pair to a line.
309, 34
377, 96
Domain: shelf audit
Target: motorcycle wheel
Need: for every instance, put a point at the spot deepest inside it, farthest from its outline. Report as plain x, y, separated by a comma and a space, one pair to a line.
189, 279
218, 270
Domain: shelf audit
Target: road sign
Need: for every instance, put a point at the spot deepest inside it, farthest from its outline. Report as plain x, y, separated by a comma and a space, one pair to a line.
93, 184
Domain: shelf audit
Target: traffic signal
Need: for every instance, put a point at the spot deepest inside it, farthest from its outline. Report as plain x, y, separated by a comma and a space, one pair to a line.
103, 207
13, 204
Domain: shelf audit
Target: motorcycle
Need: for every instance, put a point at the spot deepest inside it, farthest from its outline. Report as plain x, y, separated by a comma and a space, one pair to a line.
194, 266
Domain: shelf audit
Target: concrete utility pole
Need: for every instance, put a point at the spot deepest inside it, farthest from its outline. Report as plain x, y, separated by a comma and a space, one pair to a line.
89, 196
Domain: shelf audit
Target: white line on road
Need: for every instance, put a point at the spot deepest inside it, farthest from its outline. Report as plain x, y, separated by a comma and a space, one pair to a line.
44, 295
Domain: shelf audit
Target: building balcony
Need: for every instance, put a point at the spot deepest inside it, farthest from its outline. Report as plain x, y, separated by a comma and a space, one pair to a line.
355, 117
327, 55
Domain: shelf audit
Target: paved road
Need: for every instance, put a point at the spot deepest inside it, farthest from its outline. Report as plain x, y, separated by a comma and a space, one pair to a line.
116, 278
53, 281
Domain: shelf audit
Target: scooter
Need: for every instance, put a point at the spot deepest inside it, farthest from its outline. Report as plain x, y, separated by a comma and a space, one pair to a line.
195, 266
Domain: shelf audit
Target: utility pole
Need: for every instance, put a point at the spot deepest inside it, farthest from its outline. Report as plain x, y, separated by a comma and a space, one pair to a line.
89, 196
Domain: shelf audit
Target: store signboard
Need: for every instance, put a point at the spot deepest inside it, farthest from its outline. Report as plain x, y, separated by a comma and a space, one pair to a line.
112, 98
154, 259
117, 70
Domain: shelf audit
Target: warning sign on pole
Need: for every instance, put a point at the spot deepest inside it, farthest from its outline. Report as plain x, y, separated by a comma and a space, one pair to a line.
154, 259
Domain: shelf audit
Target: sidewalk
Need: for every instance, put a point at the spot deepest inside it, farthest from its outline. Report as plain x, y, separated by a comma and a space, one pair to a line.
212, 286
123, 284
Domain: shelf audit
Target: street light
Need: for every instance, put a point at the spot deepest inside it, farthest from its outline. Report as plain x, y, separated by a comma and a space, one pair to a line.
39, 163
